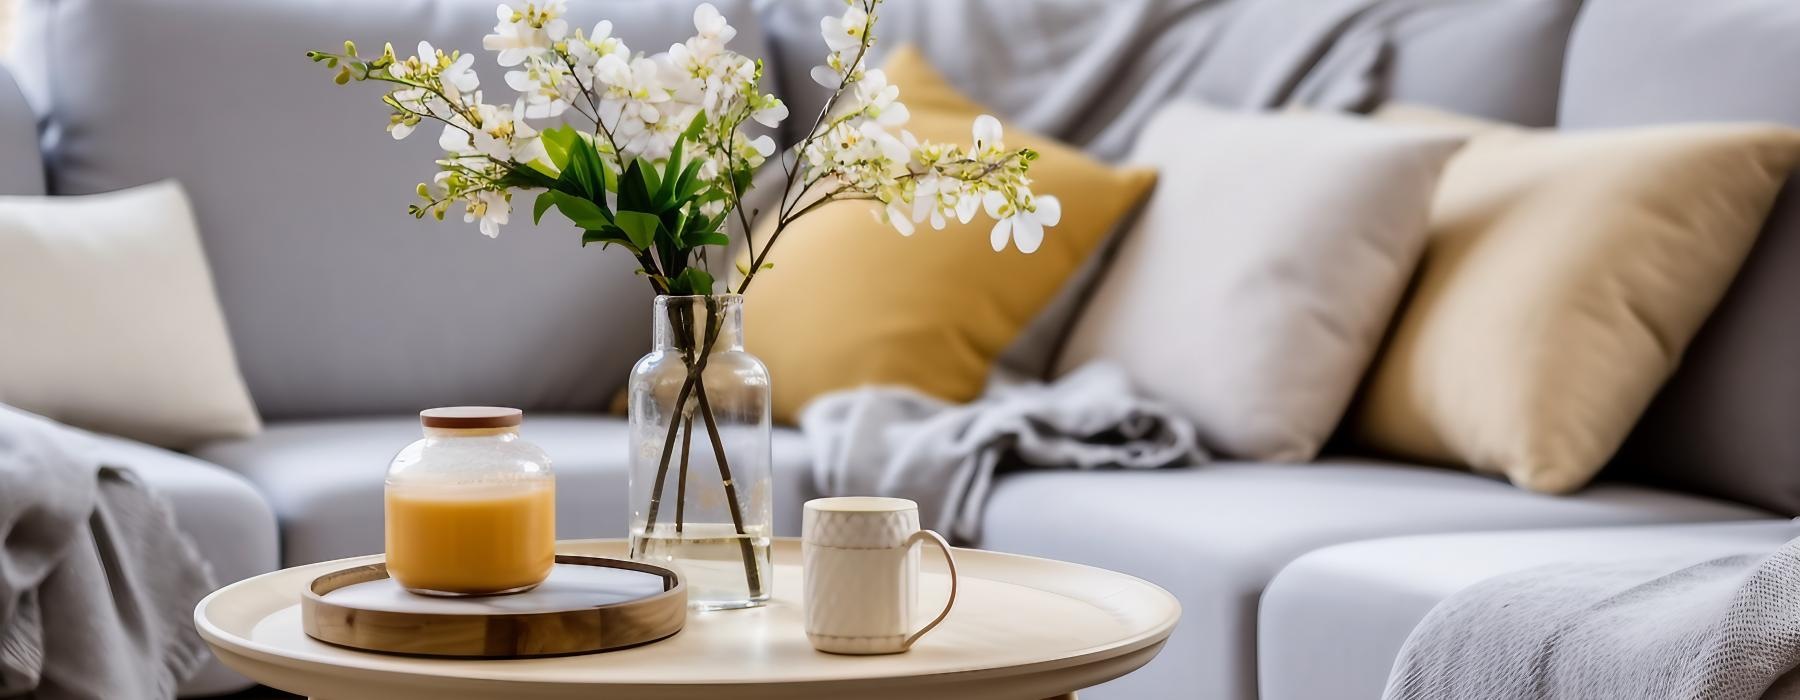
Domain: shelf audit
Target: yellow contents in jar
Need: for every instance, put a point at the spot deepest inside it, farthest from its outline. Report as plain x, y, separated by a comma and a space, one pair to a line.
470, 540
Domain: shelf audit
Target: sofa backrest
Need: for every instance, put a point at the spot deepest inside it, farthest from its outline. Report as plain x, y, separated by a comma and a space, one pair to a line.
1728, 423
338, 301
21, 168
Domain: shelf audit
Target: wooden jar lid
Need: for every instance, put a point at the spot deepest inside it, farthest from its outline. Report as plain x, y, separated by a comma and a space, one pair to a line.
471, 417
570, 613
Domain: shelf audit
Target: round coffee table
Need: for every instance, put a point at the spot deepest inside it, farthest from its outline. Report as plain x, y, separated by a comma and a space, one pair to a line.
1023, 629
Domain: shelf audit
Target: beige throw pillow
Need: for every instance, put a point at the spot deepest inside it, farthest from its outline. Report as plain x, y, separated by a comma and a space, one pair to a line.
108, 319
1253, 289
1566, 273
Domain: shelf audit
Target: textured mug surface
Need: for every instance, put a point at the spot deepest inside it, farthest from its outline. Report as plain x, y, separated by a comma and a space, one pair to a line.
862, 574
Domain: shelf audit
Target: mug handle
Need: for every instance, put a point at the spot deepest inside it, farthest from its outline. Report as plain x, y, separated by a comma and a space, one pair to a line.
937, 539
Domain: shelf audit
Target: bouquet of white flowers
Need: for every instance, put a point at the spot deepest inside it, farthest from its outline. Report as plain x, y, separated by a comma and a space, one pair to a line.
649, 153
658, 160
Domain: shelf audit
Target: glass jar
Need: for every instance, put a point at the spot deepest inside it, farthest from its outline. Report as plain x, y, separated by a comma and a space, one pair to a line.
471, 508
700, 484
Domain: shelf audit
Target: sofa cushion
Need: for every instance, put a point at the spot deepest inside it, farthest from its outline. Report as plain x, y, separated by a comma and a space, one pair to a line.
338, 301
21, 167
230, 524
324, 478
1724, 424
1332, 622
1215, 535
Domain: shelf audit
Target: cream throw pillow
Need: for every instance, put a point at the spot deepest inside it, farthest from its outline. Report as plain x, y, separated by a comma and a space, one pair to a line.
1566, 273
108, 319
1253, 290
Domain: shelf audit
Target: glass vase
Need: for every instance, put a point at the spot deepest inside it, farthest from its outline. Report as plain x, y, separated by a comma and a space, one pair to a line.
700, 483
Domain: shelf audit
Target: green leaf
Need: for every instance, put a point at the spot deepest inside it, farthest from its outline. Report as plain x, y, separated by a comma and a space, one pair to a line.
558, 142
610, 235
710, 238
653, 188
529, 177
681, 227
688, 183
542, 204
640, 228
692, 281
584, 213
586, 173
634, 195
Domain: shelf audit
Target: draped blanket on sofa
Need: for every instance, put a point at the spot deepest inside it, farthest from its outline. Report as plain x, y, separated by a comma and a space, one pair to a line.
97, 586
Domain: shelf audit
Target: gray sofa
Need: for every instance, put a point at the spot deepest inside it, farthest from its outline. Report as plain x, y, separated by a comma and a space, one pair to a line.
1297, 580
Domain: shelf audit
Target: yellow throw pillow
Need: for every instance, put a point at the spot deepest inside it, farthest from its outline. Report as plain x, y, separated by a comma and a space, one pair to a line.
851, 302
1565, 275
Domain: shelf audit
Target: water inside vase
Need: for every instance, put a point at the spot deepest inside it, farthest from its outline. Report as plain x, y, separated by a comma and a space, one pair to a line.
711, 559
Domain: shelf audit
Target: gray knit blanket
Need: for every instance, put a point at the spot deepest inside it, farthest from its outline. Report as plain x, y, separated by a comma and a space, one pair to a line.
97, 586
1725, 629
891, 441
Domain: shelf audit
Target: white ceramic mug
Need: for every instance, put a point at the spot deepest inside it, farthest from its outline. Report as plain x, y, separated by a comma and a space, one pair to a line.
862, 574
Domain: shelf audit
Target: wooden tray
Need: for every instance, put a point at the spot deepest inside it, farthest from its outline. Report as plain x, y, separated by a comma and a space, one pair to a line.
588, 604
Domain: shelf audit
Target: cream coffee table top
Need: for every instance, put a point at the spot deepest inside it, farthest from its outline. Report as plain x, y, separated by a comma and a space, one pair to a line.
1023, 629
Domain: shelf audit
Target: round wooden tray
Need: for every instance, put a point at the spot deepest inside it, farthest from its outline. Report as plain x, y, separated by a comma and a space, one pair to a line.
588, 604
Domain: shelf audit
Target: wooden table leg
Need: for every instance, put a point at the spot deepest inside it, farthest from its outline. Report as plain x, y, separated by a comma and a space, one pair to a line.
1064, 696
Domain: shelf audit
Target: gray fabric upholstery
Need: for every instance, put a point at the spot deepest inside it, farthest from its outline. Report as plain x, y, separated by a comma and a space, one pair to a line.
21, 167
1725, 423
324, 478
1087, 72
1498, 59
231, 525
338, 302
1332, 622
1216, 535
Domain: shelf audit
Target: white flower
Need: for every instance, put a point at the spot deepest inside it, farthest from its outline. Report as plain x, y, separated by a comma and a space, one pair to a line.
764, 145
1024, 226
711, 25
587, 51
633, 98
846, 32
526, 32
844, 36
458, 76
987, 133
772, 115
896, 215
546, 85
502, 134
878, 100
491, 208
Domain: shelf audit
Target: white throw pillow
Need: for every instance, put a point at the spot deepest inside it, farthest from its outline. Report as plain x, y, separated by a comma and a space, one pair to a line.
1254, 288
108, 319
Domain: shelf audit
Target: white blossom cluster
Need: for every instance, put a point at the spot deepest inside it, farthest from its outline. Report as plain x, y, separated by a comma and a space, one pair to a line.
641, 103
638, 105
861, 149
